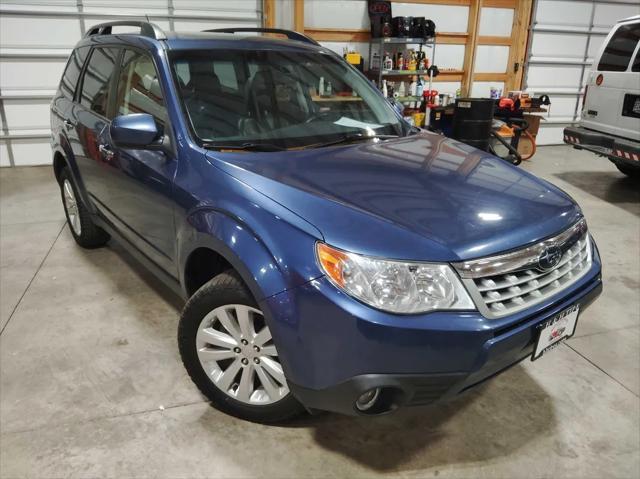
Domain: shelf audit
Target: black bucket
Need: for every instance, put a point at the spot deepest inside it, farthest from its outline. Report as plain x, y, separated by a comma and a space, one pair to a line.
472, 121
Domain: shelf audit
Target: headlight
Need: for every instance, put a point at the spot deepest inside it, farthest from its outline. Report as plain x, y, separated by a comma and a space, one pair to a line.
395, 286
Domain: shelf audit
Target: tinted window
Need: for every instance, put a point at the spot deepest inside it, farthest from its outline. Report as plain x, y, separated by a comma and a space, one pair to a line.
97, 78
636, 63
139, 88
72, 72
617, 55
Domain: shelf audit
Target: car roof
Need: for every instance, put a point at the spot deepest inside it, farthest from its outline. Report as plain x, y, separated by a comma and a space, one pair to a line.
241, 40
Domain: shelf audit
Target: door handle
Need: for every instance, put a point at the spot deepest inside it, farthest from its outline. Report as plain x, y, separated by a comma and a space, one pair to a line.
69, 124
106, 151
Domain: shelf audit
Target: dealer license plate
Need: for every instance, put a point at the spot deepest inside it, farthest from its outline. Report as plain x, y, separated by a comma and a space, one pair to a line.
555, 330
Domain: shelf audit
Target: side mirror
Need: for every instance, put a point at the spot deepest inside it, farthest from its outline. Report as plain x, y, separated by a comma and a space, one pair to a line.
138, 130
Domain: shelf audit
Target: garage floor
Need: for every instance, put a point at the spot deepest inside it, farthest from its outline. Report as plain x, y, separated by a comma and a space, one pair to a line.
92, 385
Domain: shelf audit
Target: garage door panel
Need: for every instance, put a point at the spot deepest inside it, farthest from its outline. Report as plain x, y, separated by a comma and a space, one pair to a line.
558, 45
19, 30
552, 12
556, 76
4, 154
31, 152
563, 106
17, 74
608, 14
22, 114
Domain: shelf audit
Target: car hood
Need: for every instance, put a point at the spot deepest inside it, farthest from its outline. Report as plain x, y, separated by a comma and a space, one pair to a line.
423, 197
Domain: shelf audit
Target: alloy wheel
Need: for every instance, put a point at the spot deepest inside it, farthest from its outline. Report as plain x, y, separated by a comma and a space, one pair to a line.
71, 206
236, 351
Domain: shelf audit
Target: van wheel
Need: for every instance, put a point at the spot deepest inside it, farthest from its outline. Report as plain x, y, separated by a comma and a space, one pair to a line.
629, 170
84, 231
227, 349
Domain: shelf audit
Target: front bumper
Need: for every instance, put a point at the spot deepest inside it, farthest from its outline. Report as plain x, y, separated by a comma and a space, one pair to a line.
333, 348
617, 149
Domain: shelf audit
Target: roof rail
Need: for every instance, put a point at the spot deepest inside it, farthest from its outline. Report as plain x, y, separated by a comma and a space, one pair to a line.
290, 34
147, 29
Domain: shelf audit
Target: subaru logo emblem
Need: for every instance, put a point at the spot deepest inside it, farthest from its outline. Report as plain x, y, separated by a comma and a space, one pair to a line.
549, 258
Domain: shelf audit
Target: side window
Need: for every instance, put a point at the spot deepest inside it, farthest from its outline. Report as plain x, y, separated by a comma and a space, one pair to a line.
139, 87
97, 78
636, 63
71, 73
617, 54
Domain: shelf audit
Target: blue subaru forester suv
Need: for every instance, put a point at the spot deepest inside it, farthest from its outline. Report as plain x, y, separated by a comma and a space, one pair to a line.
333, 257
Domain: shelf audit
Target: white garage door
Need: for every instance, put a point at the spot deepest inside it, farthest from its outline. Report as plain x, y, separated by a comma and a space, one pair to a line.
36, 38
565, 37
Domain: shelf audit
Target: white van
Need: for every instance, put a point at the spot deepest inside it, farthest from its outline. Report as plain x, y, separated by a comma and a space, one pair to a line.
610, 124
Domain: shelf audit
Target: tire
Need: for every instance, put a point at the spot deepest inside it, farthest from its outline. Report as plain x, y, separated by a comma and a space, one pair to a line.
84, 231
232, 359
629, 170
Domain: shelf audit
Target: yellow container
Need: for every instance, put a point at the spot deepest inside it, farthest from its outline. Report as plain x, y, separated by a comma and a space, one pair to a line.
418, 119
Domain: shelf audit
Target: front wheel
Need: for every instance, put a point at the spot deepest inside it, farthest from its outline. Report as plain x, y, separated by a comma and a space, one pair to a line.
227, 349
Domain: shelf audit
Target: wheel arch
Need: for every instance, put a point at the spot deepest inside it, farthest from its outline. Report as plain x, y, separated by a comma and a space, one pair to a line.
212, 241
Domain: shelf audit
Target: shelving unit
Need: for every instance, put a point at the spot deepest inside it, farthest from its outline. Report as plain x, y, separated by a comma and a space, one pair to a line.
381, 43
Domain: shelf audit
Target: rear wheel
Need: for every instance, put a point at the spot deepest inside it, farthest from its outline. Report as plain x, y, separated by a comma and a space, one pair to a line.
227, 349
629, 170
82, 227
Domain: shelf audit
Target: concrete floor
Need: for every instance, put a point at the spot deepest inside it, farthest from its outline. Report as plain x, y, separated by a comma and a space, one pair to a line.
91, 384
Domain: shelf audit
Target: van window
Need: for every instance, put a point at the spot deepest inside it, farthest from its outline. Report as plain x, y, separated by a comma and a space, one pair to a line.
617, 55
97, 78
72, 71
636, 63
139, 87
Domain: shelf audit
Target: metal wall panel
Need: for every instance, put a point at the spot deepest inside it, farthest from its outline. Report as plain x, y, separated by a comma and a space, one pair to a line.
37, 36
564, 38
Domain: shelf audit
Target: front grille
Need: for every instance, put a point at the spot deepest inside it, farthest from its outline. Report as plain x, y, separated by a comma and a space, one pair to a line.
502, 292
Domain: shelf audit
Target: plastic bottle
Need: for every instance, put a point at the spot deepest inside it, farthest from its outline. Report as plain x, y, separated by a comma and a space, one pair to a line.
387, 62
413, 87
419, 87
385, 92
321, 87
402, 91
413, 63
329, 90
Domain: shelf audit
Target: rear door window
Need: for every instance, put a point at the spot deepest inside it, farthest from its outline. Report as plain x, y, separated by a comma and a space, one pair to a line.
97, 79
617, 55
72, 71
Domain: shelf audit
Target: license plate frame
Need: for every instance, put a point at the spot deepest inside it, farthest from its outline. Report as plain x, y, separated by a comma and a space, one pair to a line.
555, 330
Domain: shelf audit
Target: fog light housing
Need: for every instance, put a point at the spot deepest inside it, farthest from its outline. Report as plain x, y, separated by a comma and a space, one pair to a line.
367, 399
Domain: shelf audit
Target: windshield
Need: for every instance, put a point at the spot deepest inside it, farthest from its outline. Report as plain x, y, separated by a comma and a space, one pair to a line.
283, 98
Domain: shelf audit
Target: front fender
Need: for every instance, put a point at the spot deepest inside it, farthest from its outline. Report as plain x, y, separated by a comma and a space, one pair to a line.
267, 265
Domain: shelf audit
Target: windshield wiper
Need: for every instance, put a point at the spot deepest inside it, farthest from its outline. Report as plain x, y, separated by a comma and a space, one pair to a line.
244, 147
352, 138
